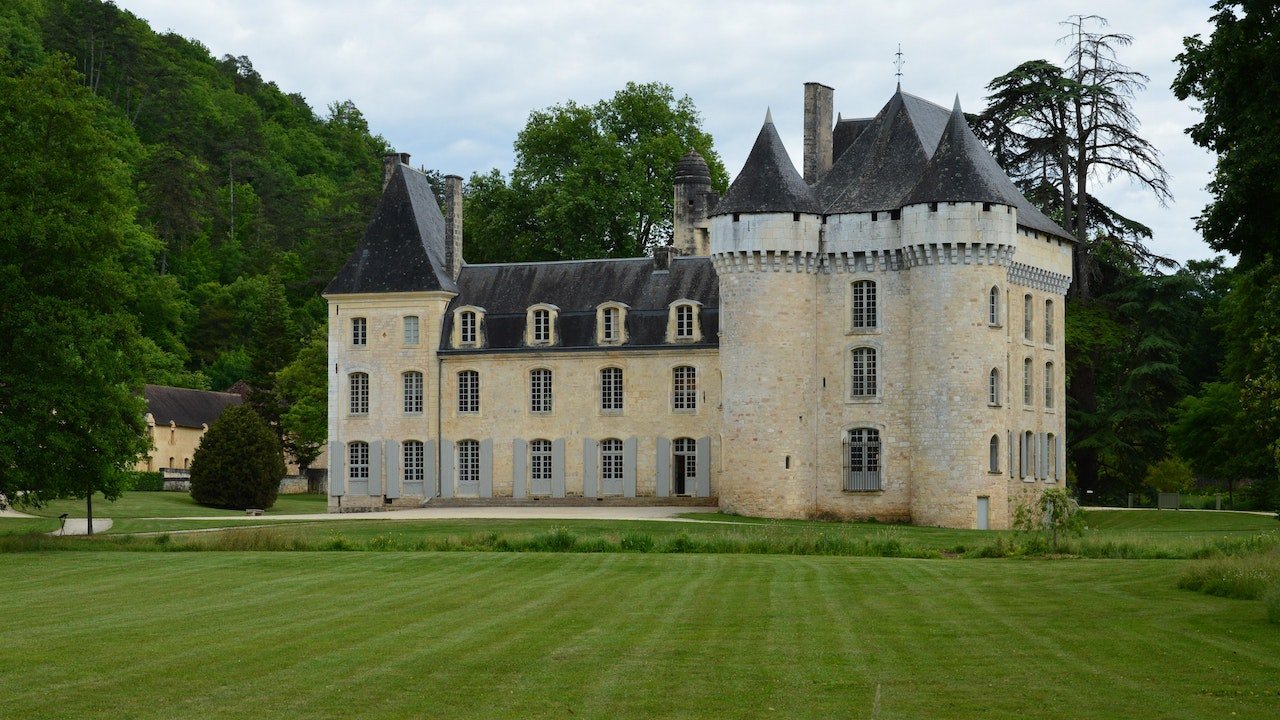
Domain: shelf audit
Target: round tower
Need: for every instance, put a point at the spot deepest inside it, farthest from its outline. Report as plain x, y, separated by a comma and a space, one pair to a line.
764, 243
694, 200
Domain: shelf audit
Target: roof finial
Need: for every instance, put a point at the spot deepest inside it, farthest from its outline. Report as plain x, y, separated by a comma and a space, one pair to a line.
768, 116
898, 64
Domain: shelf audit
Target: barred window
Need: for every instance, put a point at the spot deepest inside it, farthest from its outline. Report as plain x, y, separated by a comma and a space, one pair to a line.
993, 387
542, 326
413, 391
1048, 384
684, 391
358, 461
540, 390
540, 460
862, 376
993, 306
1026, 317
359, 332
1048, 322
467, 327
862, 460
468, 461
469, 391
609, 325
1026, 382
993, 463
864, 305
611, 459
684, 322
611, 388
359, 393
414, 467
411, 336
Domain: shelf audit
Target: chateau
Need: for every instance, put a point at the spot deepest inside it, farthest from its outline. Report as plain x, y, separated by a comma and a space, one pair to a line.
878, 337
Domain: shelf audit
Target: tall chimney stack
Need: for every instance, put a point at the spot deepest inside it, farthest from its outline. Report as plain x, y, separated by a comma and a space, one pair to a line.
817, 131
453, 224
389, 162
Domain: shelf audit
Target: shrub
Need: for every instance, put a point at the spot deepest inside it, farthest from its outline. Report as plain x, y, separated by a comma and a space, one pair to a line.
1170, 475
143, 481
238, 464
637, 542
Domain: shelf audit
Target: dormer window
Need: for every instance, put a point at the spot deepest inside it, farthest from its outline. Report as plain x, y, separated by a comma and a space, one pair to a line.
540, 325
467, 327
611, 326
683, 323
467, 321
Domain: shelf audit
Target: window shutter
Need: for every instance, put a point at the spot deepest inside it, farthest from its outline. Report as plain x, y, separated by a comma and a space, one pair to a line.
663, 467
519, 455
702, 484
557, 468
629, 467
448, 461
337, 471
486, 467
375, 468
590, 465
393, 468
431, 481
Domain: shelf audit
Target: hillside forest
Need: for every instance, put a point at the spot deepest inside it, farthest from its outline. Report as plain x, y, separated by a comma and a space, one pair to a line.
171, 217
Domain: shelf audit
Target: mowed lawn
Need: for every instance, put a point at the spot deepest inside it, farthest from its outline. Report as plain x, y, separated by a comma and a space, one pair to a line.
170, 504
522, 635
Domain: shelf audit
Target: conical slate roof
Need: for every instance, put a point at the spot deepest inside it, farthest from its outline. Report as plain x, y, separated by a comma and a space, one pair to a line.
403, 247
955, 173
769, 181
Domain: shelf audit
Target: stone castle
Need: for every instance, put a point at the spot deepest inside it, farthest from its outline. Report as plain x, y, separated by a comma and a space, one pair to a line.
880, 337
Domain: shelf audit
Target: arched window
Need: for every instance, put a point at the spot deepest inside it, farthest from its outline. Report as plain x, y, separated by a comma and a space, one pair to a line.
469, 391
358, 461
358, 393
173, 463
540, 390
542, 326
467, 327
684, 388
993, 306
684, 322
993, 461
684, 465
611, 462
468, 461
412, 381
1051, 452
1028, 455
863, 305
993, 387
1048, 384
1048, 322
862, 372
1026, 381
414, 467
1026, 317
540, 463
862, 460
611, 389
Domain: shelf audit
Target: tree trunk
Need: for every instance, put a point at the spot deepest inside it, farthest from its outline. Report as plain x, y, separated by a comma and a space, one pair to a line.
88, 499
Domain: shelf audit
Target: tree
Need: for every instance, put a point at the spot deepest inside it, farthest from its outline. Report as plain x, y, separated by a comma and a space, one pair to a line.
238, 464
589, 181
1171, 475
303, 385
71, 353
1054, 510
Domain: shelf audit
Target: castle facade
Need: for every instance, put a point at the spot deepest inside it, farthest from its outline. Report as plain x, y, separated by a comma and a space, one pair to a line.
881, 337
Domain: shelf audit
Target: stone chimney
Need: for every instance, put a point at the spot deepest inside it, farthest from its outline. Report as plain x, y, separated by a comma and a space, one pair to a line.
389, 162
453, 224
662, 256
817, 131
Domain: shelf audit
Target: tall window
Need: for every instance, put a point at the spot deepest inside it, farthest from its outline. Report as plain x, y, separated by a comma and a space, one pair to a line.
993, 387
1026, 381
862, 377
359, 332
611, 388
467, 327
468, 461
609, 325
864, 305
1026, 316
684, 322
1048, 385
413, 392
993, 461
1051, 454
862, 460
1048, 322
359, 393
469, 391
684, 391
411, 330
993, 306
414, 467
358, 461
685, 465
540, 461
540, 390
611, 460
542, 326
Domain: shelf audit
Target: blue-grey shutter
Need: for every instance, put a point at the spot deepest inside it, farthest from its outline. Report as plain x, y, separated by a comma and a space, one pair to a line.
629, 467
702, 484
519, 453
557, 468
590, 464
337, 468
393, 468
375, 468
486, 467
663, 467
431, 481
447, 460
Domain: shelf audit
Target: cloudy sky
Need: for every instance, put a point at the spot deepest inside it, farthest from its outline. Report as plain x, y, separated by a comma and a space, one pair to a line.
452, 83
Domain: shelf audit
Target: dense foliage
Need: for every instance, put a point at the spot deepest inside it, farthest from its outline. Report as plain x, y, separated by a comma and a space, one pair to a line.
238, 464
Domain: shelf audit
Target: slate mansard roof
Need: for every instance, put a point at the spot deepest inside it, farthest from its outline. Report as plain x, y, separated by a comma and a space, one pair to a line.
506, 291
186, 408
403, 246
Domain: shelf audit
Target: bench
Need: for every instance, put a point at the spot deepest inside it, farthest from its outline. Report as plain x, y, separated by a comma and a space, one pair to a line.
255, 512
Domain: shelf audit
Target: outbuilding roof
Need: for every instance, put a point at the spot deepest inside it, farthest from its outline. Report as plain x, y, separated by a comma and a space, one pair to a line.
185, 407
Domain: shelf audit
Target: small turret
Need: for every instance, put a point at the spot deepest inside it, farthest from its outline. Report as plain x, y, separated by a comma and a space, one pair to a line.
694, 199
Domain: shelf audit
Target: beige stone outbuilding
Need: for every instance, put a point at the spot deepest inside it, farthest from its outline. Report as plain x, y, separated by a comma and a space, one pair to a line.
880, 337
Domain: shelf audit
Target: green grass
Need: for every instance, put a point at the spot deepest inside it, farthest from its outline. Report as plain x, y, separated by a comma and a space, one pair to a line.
393, 635
170, 504
1179, 521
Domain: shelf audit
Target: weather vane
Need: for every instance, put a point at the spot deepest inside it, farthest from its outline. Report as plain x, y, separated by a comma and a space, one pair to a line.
898, 64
